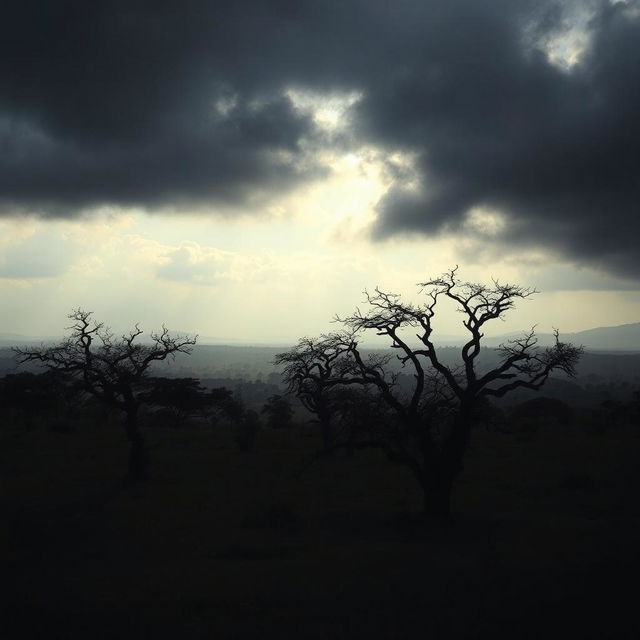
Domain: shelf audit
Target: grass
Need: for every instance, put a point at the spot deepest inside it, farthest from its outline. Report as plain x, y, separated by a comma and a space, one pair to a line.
222, 544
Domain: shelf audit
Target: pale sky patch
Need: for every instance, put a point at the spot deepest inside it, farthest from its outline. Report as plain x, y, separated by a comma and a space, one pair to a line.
231, 280
565, 44
330, 112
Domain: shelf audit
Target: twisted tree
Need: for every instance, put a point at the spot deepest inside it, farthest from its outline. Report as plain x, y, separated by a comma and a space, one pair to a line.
113, 369
427, 423
311, 371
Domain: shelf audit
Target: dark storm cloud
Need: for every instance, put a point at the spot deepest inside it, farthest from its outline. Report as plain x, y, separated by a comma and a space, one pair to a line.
115, 103
174, 104
499, 127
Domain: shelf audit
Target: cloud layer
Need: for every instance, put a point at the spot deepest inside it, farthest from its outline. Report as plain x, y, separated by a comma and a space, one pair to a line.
525, 109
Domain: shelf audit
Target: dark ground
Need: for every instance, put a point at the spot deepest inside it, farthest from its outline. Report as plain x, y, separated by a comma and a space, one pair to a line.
220, 544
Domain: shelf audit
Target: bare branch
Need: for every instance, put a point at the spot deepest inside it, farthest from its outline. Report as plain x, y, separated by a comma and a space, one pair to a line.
110, 368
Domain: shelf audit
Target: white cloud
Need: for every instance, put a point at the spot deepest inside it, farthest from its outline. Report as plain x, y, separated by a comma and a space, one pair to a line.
200, 265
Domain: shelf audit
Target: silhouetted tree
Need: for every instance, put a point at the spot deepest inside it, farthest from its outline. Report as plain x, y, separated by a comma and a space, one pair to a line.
428, 426
311, 371
110, 368
46, 395
224, 404
183, 398
279, 412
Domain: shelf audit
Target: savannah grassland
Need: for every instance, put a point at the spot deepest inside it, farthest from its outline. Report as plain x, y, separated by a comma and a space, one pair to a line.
223, 544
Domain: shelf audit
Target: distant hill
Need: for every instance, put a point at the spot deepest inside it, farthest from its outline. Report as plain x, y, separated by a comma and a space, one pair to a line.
625, 337
19, 340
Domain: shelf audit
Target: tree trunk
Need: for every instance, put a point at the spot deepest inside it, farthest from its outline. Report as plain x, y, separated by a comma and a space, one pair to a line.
442, 469
437, 496
327, 436
138, 455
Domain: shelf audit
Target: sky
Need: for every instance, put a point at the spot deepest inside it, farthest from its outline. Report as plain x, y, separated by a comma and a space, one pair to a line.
244, 170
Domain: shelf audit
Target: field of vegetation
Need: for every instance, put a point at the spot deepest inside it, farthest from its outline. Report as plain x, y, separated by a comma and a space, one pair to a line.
219, 543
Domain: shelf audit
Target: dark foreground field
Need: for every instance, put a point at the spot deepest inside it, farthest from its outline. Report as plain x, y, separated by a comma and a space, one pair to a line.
221, 544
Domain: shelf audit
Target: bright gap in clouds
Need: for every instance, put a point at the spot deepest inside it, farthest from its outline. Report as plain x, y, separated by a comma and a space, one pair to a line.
330, 112
566, 44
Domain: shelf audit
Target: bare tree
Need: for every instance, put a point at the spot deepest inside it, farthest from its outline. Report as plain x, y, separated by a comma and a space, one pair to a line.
311, 370
429, 421
113, 369
372, 406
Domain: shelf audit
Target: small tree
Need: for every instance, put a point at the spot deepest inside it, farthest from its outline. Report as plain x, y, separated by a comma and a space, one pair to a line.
113, 369
278, 411
48, 396
312, 370
183, 398
223, 403
428, 424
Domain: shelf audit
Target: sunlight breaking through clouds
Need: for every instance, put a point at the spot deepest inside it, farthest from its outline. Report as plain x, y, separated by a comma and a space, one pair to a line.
485, 222
330, 112
568, 40
566, 44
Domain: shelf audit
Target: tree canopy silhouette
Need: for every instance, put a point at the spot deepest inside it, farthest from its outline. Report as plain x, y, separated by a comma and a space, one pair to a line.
426, 423
278, 411
180, 398
311, 370
111, 368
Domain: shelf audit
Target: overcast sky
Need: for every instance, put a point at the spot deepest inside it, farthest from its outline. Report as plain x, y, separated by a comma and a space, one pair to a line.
244, 169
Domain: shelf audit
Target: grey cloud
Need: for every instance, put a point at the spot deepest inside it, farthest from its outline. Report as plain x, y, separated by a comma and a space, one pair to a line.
565, 278
556, 150
114, 103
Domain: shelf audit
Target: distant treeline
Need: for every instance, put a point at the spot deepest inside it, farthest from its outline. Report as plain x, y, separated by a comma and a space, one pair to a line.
250, 370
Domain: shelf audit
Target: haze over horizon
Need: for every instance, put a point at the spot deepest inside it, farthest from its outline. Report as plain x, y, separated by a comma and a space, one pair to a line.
620, 338
245, 170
